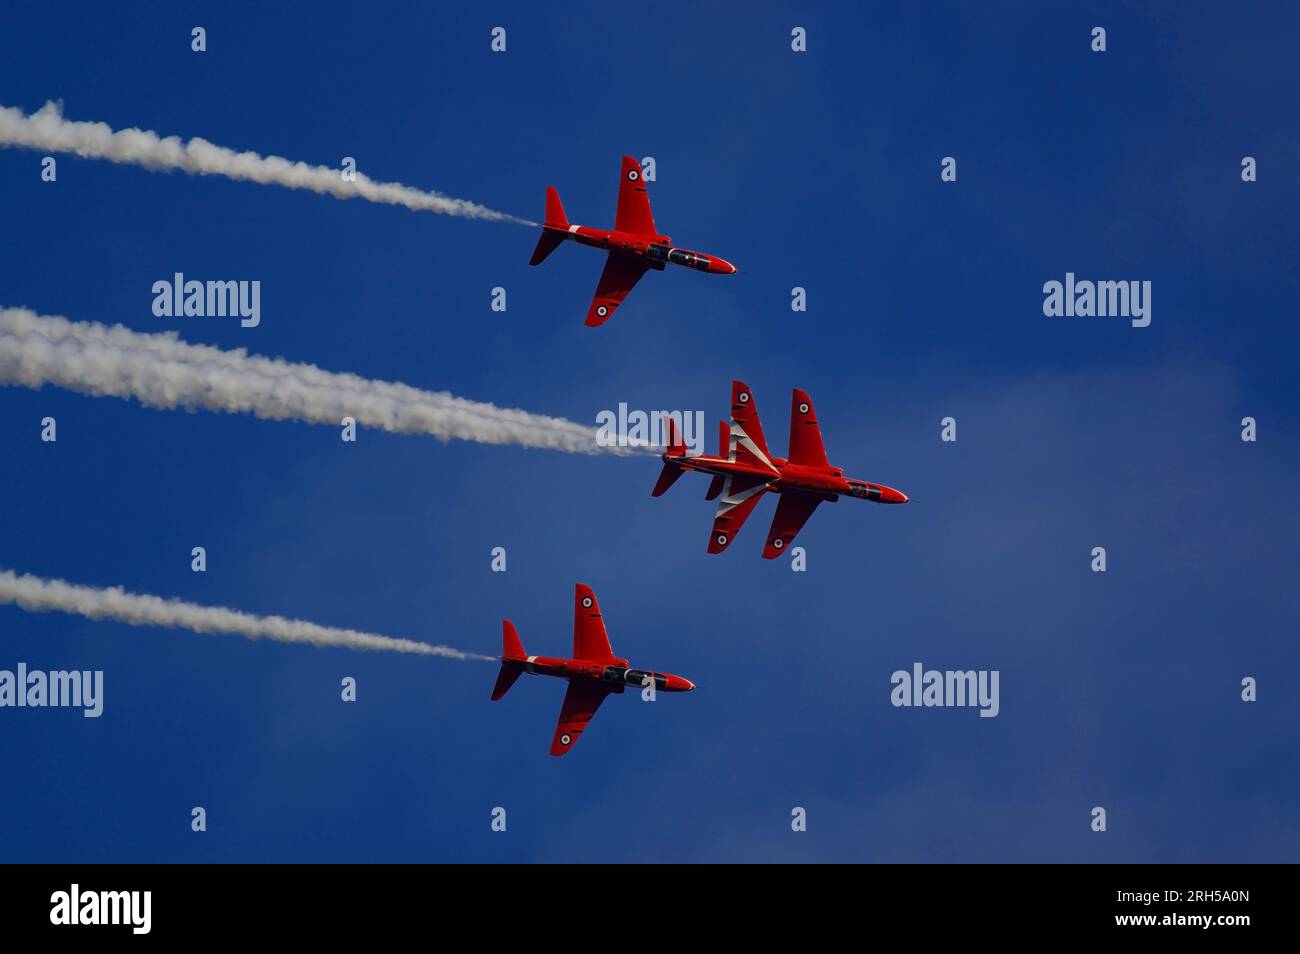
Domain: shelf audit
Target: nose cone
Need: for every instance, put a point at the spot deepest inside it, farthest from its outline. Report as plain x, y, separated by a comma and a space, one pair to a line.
721, 266
677, 683
892, 496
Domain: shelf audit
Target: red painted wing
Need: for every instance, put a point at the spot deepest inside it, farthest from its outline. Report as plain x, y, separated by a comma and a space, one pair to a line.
633, 215
740, 495
580, 704
805, 433
747, 443
590, 641
621, 273
792, 513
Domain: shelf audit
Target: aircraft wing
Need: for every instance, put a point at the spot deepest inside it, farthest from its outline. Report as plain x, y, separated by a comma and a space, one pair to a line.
747, 443
633, 215
805, 433
590, 641
792, 513
740, 495
619, 277
580, 705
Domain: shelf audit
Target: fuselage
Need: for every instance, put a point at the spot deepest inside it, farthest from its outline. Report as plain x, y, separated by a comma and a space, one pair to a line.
829, 482
613, 673
658, 250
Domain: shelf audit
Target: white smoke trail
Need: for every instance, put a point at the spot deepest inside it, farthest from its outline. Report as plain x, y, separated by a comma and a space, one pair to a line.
162, 371
37, 595
46, 129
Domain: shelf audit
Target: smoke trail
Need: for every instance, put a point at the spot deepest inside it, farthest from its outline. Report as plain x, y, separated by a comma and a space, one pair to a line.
46, 129
162, 371
37, 595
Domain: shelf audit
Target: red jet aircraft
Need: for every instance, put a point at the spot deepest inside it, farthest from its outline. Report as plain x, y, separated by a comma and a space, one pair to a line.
635, 246
744, 469
593, 672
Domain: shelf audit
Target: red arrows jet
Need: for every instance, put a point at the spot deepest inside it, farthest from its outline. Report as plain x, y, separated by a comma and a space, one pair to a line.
593, 672
744, 469
635, 246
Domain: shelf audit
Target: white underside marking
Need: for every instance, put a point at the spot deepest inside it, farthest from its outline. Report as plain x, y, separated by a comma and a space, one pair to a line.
739, 437
728, 501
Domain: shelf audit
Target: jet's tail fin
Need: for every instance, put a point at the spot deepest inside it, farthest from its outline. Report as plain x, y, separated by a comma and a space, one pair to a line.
554, 228
512, 660
676, 448
511, 646
676, 442
555, 217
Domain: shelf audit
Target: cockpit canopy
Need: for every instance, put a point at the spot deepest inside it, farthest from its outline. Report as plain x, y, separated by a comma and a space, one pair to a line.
678, 256
633, 677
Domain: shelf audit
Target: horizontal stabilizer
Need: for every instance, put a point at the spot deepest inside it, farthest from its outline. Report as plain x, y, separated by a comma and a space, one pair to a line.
510, 671
547, 243
667, 477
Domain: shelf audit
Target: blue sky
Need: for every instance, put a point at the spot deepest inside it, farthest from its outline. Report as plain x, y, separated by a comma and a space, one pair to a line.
925, 300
